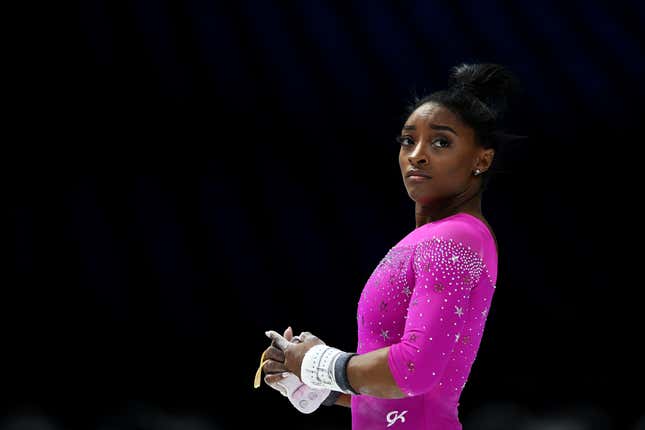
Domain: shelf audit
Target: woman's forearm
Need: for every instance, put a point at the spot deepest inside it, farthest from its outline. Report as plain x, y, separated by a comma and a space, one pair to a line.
367, 373
370, 374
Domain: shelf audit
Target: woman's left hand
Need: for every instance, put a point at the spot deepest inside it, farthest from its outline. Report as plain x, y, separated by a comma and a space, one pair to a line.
293, 352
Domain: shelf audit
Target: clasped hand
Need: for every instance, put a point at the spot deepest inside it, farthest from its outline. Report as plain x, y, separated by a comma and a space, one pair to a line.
282, 368
285, 354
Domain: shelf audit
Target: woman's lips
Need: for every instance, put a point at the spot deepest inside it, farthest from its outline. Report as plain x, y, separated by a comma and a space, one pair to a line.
418, 178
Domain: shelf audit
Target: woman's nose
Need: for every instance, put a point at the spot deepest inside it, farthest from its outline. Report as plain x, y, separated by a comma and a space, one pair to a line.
417, 156
418, 161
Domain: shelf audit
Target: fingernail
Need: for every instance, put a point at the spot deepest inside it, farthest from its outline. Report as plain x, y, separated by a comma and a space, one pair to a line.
267, 334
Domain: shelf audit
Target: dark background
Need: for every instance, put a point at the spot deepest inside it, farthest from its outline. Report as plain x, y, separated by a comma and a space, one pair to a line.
184, 175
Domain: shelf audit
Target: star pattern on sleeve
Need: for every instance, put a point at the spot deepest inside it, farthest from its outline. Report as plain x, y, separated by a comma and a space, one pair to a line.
459, 311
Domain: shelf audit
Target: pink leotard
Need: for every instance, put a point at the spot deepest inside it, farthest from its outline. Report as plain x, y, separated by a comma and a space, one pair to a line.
427, 300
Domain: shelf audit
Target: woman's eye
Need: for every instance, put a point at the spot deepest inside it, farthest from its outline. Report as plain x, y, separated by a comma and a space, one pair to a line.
440, 143
405, 140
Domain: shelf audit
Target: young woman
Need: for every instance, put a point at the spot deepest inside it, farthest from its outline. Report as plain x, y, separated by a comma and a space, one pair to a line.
421, 314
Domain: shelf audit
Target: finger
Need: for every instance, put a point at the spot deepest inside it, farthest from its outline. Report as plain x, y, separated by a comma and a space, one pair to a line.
272, 366
288, 333
274, 353
305, 335
280, 341
275, 377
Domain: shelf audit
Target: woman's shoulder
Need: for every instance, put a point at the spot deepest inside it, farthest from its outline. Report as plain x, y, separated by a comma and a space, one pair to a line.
462, 229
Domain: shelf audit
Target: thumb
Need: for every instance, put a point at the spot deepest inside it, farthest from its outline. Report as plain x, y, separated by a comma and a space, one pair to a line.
288, 334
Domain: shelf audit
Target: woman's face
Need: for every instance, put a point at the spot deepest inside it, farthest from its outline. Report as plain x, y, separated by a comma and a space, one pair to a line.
436, 142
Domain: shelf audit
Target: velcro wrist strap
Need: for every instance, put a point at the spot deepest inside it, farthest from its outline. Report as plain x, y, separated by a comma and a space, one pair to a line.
340, 371
320, 369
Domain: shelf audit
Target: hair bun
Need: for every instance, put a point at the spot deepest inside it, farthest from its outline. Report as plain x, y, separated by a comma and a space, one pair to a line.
493, 84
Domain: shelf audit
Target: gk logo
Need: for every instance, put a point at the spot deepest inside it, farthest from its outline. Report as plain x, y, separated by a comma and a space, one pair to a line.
394, 416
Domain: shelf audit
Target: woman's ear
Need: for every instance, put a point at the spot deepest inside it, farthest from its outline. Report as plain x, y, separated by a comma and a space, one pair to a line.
485, 159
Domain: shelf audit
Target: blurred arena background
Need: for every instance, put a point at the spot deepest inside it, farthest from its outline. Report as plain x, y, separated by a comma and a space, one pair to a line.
174, 169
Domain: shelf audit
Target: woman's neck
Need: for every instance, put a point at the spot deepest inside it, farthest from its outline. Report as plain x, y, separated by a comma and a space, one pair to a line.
435, 212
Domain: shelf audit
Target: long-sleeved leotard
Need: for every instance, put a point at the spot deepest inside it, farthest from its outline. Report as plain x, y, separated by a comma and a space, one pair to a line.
428, 300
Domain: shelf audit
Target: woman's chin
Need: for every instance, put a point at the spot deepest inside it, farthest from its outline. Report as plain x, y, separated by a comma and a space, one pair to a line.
417, 194
420, 198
